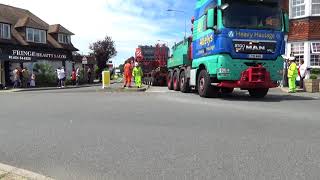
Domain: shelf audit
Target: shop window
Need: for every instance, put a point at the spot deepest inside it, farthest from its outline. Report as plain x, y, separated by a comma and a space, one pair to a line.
65, 39
297, 50
315, 7
5, 32
298, 8
36, 35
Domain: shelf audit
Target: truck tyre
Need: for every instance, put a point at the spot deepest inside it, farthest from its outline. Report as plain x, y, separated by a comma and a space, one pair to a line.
227, 90
258, 93
184, 84
170, 80
205, 89
176, 84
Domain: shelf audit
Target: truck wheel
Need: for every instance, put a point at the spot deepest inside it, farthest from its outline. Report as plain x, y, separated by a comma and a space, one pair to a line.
205, 88
184, 84
170, 81
227, 90
258, 93
176, 84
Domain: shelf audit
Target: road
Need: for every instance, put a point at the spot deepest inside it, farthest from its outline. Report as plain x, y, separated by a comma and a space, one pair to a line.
90, 134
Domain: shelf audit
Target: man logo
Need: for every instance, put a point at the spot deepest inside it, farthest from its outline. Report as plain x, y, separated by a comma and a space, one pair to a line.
231, 34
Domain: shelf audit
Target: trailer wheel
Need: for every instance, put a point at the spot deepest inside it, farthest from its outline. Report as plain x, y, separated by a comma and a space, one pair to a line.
205, 88
176, 84
184, 84
170, 81
227, 90
258, 93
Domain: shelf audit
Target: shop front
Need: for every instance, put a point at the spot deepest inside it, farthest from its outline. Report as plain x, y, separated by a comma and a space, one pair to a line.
13, 56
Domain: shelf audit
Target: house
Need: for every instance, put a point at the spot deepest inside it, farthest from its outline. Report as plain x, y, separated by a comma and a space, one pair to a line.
26, 40
304, 36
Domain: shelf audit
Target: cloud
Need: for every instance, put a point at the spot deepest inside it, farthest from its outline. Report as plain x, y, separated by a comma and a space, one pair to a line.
129, 22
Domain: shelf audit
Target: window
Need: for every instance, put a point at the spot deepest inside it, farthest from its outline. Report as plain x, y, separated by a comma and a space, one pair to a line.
36, 35
5, 32
315, 7
315, 48
315, 60
298, 8
315, 54
65, 39
297, 50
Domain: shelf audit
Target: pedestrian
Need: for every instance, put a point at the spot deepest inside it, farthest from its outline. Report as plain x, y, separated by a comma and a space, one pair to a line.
137, 74
33, 80
58, 71
25, 80
292, 75
78, 75
285, 72
302, 73
63, 77
89, 73
127, 74
73, 77
16, 77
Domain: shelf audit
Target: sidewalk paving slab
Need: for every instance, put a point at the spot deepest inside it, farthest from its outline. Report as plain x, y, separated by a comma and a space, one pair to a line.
12, 173
300, 93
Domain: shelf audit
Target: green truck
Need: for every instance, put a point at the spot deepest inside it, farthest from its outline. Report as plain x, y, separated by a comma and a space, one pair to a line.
234, 44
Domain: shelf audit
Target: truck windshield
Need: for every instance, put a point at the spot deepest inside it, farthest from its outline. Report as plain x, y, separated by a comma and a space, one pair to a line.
252, 15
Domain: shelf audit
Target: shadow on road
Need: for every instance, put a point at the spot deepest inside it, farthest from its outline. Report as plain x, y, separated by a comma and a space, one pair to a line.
243, 96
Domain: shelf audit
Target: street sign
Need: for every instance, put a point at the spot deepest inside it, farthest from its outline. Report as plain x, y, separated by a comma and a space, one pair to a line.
84, 60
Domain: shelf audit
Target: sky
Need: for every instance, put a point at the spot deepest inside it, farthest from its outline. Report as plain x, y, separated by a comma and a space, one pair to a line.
128, 22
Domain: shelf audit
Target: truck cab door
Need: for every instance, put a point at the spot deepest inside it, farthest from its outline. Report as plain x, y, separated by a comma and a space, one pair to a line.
204, 32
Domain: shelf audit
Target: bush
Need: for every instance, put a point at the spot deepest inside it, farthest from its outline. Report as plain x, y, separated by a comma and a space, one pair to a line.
313, 76
45, 75
315, 71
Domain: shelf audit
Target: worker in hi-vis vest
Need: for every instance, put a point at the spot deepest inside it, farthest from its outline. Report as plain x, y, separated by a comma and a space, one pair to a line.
137, 74
292, 75
127, 74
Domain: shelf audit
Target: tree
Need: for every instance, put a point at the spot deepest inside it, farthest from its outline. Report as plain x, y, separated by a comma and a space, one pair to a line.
103, 51
121, 68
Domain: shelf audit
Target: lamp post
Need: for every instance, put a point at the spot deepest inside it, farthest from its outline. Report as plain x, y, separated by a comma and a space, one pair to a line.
185, 19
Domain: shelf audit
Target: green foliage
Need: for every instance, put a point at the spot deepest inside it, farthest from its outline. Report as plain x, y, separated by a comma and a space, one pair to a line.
103, 51
121, 67
315, 71
45, 75
313, 76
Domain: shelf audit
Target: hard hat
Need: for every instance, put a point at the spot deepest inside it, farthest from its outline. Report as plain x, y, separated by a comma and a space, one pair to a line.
292, 58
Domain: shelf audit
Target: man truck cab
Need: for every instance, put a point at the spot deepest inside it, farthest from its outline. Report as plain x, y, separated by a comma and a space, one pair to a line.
234, 44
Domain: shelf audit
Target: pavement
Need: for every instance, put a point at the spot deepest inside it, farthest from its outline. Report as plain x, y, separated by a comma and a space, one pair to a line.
12, 173
115, 86
300, 93
91, 134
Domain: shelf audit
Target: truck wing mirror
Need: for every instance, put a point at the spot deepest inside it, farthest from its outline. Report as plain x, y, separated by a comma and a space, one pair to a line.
223, 6
210, 19
286, 23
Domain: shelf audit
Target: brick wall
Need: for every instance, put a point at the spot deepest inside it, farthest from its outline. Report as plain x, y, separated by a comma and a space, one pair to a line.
285, 5
305, 29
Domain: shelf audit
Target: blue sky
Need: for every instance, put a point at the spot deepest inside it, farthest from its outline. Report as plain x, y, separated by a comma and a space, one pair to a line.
129, 22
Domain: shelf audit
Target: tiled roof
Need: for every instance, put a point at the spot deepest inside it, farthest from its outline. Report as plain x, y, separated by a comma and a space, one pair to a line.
19, 18
58, 28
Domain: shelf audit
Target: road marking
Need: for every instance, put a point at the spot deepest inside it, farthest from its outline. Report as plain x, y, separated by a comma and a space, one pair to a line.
13, 171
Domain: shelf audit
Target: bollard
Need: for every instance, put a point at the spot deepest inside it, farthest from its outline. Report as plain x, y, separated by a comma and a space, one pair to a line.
105, 79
